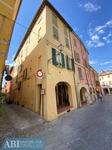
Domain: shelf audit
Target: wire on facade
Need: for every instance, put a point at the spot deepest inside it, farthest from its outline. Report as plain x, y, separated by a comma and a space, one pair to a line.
23, 26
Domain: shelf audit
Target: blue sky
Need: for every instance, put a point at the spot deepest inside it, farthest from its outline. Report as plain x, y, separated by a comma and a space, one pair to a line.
90, 19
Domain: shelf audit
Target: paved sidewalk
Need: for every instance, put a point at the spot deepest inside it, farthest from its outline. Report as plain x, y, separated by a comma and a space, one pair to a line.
88, 128
17, 121
22, 118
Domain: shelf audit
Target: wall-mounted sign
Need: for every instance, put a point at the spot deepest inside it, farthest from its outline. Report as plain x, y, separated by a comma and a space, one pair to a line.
42, 91
39, 74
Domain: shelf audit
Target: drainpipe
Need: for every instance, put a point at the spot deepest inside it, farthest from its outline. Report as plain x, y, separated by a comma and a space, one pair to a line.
78, 104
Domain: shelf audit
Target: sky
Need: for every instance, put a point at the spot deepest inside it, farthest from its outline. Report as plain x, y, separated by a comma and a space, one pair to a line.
90, 19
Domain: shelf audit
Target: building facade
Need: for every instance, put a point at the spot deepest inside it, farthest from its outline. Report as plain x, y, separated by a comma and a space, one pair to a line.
8, 13
44, 70
8, 85
105, 79
86, 77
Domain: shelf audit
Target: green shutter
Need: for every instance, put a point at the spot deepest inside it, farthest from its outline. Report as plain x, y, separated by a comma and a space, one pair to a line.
67, 63
63, 60
73, 65
53, 56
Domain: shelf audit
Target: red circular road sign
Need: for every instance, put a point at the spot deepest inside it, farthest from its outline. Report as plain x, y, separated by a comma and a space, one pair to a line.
39, 73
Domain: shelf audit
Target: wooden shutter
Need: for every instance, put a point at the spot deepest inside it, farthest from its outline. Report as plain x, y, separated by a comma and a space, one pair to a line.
25, 74
73, 65
63, 60
67, 63
53, 56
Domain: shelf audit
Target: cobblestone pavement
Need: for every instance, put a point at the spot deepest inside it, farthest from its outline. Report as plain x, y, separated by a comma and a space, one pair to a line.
88, 128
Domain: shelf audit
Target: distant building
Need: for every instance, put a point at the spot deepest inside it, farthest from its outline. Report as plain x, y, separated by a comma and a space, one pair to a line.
46, 74
8, 87
105, 79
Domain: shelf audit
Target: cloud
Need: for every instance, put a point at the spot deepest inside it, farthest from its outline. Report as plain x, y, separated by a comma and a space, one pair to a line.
109, 23
100, 35
93, 62
106, 62
90, 7
100, 44
9, 62
101, 31
95, 41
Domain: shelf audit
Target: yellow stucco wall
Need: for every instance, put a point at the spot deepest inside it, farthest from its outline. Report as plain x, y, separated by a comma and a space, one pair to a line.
8, 13
39, 57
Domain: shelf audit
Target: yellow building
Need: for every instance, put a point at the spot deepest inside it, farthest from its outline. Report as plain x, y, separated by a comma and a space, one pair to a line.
46, 51
8, 13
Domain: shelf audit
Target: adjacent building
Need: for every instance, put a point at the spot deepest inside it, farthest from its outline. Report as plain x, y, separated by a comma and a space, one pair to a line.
105, 79
47, 75
8, 86
86, 77
8, 13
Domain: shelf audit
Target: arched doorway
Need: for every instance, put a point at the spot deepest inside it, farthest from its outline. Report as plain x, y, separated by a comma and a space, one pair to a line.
106, 91
62, 97
83, 96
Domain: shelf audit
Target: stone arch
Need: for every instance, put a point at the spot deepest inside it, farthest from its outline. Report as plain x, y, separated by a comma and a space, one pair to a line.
83, 96
63, 96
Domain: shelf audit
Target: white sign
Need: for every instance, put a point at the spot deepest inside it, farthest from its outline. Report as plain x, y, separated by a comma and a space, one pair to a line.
42, 91
39, 74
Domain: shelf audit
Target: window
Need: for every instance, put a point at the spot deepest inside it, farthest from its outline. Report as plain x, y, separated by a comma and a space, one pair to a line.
39, 34
65, 31
58, 58
55, 26
67, 42
77, 57
55, 33
103, 83
66, 37
40, 20
69, 63
85, 63
75, 44
54, 20
80, 73
25, 74
110, 82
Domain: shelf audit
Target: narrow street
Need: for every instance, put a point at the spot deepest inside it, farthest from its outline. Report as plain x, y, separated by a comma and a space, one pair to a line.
88, 128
